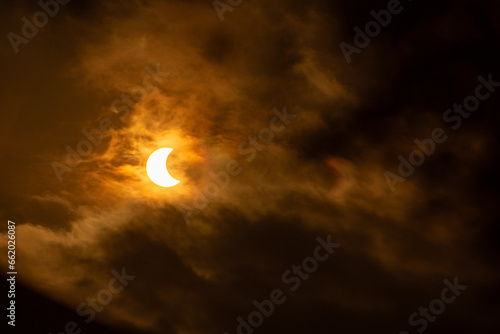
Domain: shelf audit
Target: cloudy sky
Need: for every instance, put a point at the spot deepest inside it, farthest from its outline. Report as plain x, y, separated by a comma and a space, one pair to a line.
303, 141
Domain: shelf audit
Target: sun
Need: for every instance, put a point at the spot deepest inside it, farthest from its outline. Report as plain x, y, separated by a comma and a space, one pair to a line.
156, 168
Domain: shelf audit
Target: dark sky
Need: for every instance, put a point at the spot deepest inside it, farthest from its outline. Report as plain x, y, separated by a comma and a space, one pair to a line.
202, 252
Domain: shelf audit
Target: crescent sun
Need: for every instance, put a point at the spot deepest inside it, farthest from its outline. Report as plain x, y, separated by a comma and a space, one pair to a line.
157, 168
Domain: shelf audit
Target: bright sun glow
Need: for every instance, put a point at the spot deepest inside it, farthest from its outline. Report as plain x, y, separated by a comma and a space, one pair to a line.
157, 168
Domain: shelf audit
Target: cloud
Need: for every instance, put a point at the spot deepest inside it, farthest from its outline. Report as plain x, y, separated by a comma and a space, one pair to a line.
323, 174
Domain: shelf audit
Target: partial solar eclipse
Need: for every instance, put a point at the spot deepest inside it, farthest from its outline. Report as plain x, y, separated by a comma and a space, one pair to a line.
157, 168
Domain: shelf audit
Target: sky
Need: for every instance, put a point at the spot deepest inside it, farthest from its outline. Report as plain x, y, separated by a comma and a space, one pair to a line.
333, 178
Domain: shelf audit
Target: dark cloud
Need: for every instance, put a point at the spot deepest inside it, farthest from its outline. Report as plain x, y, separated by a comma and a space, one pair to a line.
322, 174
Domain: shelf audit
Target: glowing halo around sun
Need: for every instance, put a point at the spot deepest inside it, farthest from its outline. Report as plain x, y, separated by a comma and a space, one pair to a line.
157, 168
